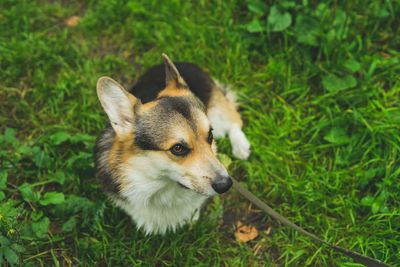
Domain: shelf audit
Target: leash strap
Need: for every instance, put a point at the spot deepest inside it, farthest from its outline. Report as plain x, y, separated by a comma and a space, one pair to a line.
367, 261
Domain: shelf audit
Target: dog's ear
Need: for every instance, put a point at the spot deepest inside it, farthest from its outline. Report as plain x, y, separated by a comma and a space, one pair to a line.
118, 104
172, 76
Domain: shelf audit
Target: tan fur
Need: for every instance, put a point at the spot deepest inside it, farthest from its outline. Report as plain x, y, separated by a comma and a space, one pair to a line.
218, 100
121, 149
148, 105
172, 91
114, 158
128, 149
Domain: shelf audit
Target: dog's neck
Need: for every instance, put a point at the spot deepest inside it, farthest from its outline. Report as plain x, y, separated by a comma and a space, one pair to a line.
162, 206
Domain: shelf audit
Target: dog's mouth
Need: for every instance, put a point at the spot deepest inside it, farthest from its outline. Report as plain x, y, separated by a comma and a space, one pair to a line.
193, 190
183, 186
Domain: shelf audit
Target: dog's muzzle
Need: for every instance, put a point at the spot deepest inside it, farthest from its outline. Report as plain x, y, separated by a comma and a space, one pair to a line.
222, 184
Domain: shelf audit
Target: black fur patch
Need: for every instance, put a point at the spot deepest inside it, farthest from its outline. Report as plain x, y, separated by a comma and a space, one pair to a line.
176, 104
153, 81
149, 132
152, 129
144, 137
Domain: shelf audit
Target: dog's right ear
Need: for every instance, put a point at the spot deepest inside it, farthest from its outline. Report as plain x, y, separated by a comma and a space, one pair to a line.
172, 76
118, 104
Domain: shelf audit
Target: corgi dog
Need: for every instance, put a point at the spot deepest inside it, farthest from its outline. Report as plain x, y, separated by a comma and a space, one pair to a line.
157, 158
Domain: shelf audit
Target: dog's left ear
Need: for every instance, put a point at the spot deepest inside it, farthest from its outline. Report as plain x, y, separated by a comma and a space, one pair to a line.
172, 76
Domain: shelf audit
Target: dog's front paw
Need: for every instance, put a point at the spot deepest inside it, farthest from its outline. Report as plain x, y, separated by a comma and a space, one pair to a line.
241, 150
240, 144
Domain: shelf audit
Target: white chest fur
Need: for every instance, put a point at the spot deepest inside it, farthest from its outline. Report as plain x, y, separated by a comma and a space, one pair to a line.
165, 206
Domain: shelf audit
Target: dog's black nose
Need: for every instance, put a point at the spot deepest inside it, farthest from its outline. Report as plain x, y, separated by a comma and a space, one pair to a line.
222, 184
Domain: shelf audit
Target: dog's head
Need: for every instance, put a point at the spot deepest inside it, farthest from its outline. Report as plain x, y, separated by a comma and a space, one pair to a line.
169, 139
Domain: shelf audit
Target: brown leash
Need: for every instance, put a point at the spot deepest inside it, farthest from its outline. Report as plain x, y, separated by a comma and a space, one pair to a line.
367, 261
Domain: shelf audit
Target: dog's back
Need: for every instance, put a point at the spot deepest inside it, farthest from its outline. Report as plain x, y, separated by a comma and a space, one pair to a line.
152, 82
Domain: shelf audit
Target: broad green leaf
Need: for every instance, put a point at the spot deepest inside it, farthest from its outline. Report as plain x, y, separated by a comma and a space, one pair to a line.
36, 215
336, 84
278, 21
17, 248
58, 177
137, 7
257, 6
381, 13
339, 23
322, 10
71, 206
82, 137
288, 4
364, 177
82, 161
10, 255
28, 194
40, 228
307, 30
9, 209
40, 158
52, 198
3, 179
70, 224
367, 201
9, 135
255, 26
225, 159
376, 206
2, 196
337, 136
59, 137
370, 173
27, 233
352, 65
24, 149
383, 195
4, 241
384, 209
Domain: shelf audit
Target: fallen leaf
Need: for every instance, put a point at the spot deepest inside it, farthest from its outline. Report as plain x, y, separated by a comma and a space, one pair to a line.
245, 233
72, 21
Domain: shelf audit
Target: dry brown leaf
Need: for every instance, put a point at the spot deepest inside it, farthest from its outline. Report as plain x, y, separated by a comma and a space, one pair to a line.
245, 233
72, 21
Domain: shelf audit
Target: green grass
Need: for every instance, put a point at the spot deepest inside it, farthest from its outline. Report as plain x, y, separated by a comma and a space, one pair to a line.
319, 90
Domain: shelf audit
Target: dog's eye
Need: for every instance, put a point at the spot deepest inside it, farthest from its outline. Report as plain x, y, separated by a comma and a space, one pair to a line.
210, 137
179, 150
